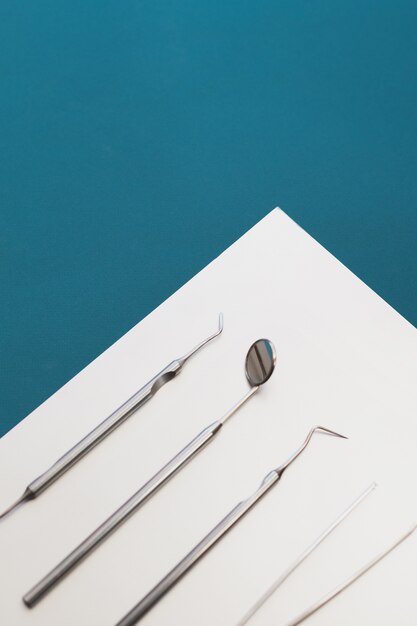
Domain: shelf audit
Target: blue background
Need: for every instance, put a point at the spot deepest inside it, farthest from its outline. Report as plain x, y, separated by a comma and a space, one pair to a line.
140, 138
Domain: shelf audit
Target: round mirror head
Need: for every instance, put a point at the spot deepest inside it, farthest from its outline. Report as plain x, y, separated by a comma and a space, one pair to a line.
260, 362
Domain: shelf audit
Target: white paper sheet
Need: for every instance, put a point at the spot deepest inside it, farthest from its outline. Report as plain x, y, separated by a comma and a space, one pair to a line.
346, 360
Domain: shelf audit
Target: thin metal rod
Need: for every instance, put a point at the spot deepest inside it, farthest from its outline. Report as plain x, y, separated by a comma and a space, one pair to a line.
151, 598
337, 590
302, 557
237, 406
102, 430
23, 498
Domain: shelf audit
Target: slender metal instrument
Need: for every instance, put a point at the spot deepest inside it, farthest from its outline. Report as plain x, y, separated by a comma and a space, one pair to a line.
65, 462
335, 592
302, 557
259, 366
140, 610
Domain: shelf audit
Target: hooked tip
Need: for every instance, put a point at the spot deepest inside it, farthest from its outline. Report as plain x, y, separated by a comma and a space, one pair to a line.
189, 354
305, 443
221, 323
329, 432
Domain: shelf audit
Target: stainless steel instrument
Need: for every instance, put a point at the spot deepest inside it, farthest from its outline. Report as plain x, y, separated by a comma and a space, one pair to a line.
259, 366
140, 610
64, 463
302, 557
335, 592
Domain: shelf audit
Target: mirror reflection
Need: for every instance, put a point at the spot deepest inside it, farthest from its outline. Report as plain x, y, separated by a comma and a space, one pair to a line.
260, 362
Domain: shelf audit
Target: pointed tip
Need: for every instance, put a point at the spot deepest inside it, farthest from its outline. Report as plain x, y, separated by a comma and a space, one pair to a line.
331, 432
305, 443
221, 322
23, 498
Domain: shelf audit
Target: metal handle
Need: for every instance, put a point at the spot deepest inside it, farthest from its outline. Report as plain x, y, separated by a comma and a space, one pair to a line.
196, 553
121, 515
103, 429
108, 425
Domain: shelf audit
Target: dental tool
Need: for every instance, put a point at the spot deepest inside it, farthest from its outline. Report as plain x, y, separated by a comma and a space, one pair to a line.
65, 462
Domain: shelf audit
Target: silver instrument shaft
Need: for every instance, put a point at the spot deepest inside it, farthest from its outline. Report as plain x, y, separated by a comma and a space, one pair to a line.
120, 516
65, 462
196, 553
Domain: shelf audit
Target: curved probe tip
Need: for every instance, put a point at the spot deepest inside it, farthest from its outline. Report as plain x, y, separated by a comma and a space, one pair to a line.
198, 347
305, 443
221, 323
330, 432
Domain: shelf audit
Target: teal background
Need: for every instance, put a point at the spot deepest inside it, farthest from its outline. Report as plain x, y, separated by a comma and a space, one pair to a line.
140, 138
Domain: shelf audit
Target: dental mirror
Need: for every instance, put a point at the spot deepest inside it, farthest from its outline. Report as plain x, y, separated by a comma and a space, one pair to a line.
260, 362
